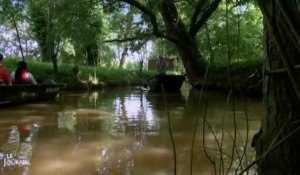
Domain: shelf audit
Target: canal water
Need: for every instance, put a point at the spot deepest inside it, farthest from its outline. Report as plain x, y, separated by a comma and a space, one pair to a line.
129, 131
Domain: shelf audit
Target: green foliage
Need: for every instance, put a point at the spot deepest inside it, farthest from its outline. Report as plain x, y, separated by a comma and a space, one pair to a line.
11, 10
245, 35
11, 63
56, 23
164, 48
80, 21
74, 27
127, 27
244, 74
44, 25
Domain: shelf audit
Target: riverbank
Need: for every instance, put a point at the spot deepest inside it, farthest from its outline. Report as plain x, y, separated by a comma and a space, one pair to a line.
244, 75
84, 77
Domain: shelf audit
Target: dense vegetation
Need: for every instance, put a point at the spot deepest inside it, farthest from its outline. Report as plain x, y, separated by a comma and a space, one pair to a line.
98, 33
115, 35
246, 75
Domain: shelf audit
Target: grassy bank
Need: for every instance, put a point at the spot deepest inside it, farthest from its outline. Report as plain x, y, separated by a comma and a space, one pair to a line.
244, 74
43, 72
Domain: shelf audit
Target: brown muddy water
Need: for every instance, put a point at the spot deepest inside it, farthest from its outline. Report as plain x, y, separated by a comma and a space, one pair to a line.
125, 131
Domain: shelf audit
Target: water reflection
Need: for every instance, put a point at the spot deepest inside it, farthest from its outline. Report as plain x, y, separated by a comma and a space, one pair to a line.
121, 131
16, 153
67, 120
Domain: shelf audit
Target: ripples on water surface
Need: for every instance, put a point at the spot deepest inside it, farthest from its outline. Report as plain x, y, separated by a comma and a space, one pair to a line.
120, 132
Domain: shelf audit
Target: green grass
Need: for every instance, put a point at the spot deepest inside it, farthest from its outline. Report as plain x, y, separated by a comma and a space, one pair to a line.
244, 74
218, 73
114, 77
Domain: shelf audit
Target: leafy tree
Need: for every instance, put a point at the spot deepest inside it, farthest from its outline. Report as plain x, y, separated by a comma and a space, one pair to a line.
245, 33
165, 20
12, 10
81, 22
125, 23
44, 25
163, 48
62, 22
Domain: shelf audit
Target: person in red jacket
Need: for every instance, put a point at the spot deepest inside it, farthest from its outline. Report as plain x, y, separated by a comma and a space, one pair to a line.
4, 74
21, 75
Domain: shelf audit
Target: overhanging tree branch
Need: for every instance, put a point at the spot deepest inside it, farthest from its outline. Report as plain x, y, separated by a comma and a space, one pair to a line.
196, 25
149, 13
199, 8
144, 36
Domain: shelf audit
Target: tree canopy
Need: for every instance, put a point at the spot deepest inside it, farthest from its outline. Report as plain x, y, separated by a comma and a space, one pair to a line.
95, 32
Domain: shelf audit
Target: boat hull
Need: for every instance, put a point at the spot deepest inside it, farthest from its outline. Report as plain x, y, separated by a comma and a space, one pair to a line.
168, 83
18, 94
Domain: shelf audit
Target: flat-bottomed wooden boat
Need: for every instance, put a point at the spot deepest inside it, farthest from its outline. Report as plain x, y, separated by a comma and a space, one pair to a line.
169, 83
18, 94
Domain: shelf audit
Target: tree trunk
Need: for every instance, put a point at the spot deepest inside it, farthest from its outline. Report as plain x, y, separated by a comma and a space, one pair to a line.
191, 59
182, 35
184, 41
92, 54
50, 52
123, 58
18, 36
141, 65
278, 142
54, 63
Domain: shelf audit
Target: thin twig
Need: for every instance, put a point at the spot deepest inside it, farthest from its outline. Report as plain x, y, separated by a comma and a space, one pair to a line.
247, 132
215, 137
197, 122
231, 84
170, 129
281, 71
222, 140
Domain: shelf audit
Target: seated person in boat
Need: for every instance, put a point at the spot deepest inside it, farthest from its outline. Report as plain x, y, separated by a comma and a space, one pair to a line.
4, 74
21, 75
161, 66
